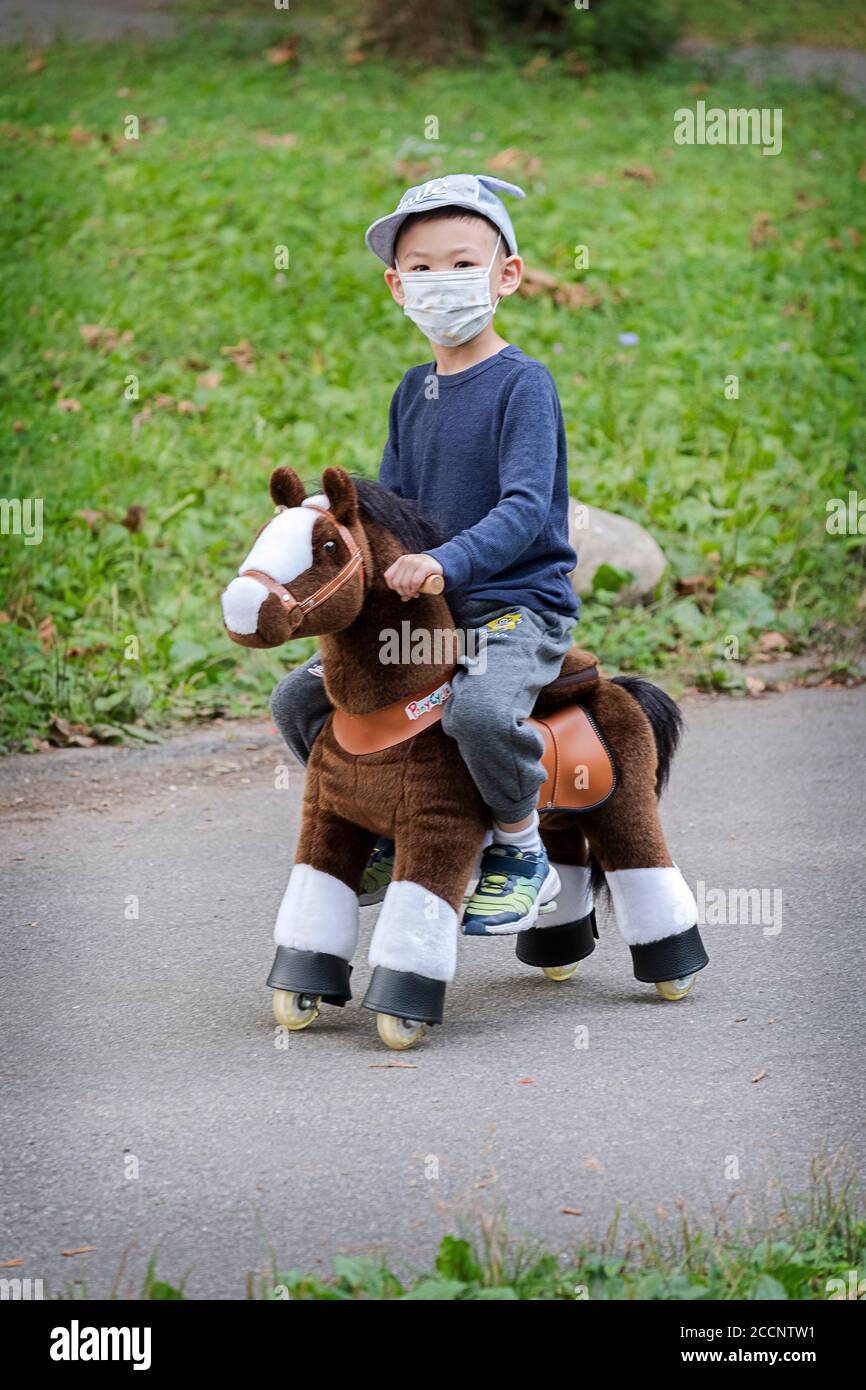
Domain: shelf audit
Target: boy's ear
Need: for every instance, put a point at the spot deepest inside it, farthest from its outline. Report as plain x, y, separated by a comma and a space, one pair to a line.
510, 275
287, 490
395, 285
340, 492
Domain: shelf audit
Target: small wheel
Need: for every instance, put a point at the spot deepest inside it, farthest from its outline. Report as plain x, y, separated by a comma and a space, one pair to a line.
399, 1033
675, 989
295, 1011
560, 972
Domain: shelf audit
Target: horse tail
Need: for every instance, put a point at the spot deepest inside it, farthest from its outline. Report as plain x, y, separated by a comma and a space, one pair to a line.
665, 719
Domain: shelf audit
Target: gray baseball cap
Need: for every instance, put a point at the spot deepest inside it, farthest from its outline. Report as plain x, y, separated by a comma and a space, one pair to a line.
471, 191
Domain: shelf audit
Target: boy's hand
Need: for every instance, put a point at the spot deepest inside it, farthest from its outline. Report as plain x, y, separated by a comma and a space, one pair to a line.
407, 574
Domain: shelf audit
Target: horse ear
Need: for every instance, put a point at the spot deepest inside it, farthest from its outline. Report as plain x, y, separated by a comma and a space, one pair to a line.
342, 497
287, 490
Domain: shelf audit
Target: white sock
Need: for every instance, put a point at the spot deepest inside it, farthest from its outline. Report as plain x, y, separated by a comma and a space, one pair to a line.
527, 839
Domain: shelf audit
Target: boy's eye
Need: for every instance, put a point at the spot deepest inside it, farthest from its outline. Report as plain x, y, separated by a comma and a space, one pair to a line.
329, 547
463, 265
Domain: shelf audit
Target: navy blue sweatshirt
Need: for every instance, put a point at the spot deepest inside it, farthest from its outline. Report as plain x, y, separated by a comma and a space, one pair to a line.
483, 453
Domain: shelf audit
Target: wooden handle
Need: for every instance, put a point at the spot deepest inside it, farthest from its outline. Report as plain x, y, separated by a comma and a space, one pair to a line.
433, 584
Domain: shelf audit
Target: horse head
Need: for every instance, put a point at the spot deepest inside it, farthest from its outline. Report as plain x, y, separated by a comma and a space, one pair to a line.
306, 573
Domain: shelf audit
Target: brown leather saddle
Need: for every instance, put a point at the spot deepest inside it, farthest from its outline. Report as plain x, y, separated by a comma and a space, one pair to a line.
580, 770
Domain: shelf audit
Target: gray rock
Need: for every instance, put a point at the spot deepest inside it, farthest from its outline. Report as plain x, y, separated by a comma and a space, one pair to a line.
603, 538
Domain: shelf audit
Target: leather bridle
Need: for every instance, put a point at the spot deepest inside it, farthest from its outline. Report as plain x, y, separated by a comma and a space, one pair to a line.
325, 591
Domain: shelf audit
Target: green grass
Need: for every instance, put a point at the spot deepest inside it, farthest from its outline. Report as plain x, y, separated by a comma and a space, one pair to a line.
823, 23
806, 1241
171, 239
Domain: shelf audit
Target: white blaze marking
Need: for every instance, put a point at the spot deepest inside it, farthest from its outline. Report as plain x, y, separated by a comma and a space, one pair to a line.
285, 548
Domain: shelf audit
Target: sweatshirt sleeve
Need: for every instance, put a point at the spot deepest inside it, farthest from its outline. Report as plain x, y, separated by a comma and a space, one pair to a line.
528, 447
389, 468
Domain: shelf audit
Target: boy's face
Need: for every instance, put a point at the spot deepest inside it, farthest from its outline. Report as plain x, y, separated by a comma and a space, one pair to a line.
447, 243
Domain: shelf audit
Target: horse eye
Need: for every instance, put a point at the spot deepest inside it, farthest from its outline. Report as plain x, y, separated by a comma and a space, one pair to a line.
329, 547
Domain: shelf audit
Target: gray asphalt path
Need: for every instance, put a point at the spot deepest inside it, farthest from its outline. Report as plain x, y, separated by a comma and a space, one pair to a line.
152, 1040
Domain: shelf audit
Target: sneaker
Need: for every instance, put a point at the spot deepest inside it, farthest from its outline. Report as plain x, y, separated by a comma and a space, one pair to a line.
514, 884
378, 873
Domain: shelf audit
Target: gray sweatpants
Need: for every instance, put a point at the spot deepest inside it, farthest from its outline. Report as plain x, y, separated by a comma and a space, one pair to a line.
493, 691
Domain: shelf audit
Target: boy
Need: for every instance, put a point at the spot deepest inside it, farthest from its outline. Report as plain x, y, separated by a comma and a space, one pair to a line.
477, 439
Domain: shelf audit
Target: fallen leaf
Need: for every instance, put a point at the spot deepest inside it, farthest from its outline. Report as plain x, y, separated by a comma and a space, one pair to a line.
642, 172
773, 642
744, 1019
571, 1211
762, 230
413, 170
535, 65
11, 1264
594, 1165
526, 1081
754, 686
81, 1250
696, 584
95, 336
209, 381
47, 634
134, 519
568, 294
855, 237
515, 159
66, 735
79, 136
577, 295
803, 203
18, 426
275, 142
36, 64
286, 51
242, 354
537, 282
69, 404
384, 1066
163, 402
760, 1076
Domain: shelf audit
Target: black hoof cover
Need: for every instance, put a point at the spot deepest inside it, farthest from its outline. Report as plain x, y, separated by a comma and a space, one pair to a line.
562, 945
405, 995
311, 972
669, 959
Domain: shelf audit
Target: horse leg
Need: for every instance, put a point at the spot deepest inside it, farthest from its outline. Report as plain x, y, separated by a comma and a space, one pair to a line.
655, 909
438, 835
566, 933
316, 931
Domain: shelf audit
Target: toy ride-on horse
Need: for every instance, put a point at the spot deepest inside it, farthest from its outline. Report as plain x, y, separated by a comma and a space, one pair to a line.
383, 767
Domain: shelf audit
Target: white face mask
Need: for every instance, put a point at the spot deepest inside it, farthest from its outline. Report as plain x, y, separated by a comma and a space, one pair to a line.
449, 306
